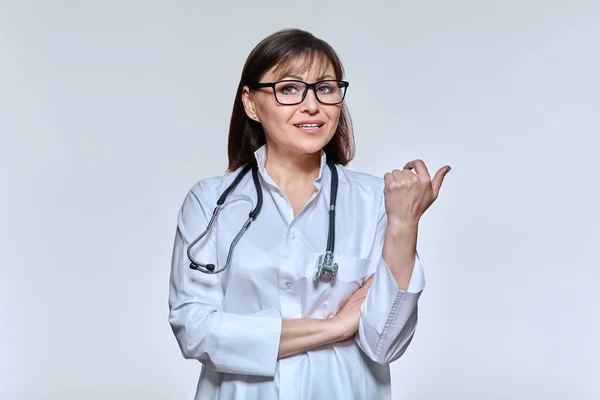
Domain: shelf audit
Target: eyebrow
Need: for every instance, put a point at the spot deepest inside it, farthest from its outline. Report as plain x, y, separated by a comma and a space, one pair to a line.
300, 79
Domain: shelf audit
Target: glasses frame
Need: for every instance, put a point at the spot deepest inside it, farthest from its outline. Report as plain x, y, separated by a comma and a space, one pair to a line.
312, 86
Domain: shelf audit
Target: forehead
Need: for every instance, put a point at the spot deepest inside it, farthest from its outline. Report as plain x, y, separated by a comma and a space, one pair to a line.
307, 66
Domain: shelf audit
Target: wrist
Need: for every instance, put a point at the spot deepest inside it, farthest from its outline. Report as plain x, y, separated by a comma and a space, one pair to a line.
401, 227
334, 331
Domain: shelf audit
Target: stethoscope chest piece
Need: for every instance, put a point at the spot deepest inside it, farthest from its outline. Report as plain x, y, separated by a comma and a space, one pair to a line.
325, 269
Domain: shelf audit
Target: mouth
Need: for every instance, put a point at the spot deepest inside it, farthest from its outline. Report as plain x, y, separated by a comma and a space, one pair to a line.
310, 127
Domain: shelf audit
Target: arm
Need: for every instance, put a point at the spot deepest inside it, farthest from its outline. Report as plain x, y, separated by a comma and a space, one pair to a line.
298, 335
389, 313
400, 252
226, 342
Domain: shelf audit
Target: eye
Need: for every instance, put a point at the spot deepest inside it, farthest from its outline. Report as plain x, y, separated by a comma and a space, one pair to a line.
288, 88
325, 88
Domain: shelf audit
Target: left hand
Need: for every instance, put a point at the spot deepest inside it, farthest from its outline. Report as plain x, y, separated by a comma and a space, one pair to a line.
409, 194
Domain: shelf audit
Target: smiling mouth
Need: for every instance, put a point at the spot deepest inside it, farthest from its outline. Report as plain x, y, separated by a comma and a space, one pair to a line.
308, 126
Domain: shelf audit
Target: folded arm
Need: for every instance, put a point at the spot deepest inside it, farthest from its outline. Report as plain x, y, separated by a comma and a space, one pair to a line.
222, 341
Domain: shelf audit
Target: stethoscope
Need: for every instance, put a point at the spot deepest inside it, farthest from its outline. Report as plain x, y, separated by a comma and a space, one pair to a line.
325, 267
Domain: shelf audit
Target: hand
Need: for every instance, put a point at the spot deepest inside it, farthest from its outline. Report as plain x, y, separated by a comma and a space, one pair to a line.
346, 320
408, 194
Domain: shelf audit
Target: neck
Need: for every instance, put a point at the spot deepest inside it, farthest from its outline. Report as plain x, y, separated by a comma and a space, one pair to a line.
286, 169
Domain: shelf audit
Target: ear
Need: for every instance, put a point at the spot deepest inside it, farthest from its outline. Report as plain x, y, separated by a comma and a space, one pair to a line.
249, 105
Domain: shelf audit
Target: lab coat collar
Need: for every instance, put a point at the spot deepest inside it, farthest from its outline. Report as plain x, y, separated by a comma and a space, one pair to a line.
261, 158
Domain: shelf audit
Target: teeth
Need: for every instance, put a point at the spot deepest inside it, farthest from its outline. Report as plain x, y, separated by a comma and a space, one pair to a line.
308, 125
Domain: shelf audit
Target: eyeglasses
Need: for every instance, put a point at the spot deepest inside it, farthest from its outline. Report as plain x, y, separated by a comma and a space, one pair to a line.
292, 92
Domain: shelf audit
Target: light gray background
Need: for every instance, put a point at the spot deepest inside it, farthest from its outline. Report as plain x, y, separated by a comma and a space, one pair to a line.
111, 110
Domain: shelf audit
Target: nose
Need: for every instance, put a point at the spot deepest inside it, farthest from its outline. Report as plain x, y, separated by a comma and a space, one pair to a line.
310, 103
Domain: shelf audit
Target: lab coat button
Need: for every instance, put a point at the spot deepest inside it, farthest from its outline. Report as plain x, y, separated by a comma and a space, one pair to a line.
288, 285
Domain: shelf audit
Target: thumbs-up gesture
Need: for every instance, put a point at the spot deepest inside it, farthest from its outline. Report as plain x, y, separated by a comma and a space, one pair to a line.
410, 192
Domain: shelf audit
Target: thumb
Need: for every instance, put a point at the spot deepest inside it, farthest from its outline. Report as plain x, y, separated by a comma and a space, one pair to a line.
436, 182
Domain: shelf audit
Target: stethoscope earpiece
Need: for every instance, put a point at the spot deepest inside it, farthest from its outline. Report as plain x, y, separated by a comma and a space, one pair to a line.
196, 267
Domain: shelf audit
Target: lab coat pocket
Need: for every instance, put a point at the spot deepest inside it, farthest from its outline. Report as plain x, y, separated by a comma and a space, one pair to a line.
352, 269
330, 297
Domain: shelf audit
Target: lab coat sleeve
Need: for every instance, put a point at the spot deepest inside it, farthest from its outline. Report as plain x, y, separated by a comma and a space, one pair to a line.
388, 315
222, 341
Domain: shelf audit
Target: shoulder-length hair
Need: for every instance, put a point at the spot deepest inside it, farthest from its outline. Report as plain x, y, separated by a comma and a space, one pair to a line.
283, 50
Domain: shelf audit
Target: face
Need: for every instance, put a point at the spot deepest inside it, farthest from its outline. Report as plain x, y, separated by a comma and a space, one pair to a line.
303, 128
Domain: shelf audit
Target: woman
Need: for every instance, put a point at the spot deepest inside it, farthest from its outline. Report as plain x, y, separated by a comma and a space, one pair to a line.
263, 320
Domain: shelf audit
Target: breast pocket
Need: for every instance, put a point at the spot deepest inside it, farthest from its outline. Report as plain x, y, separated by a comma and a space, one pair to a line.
326, 298
352, 269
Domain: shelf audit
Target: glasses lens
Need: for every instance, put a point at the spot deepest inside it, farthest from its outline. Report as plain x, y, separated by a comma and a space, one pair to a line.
291, 92
330, 92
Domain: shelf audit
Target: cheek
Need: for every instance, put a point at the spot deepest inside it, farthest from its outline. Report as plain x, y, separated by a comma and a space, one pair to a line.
334, 116
276, 121
275, 114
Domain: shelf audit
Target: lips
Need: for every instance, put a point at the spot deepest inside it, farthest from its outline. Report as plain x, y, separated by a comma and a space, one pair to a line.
308, 125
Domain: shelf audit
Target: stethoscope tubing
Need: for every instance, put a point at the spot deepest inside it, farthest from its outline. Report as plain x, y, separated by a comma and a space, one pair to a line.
210, 268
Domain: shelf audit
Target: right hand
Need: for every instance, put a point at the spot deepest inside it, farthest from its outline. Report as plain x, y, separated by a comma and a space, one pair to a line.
346, 320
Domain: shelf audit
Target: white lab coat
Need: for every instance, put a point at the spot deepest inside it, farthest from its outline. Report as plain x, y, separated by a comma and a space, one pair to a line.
231, 321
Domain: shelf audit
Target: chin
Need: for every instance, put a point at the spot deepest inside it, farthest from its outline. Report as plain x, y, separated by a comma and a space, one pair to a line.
305, 143
310, 147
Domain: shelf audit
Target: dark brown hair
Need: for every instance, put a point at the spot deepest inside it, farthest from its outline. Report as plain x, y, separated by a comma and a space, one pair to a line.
283, 49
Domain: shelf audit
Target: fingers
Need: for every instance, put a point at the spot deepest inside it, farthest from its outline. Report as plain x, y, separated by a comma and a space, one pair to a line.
422, 171
366, 284
438, 178
365, 287
399, 177
397, 174
388, 178
419, 166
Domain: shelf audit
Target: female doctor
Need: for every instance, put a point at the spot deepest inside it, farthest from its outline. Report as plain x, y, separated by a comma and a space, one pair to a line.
319, 294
